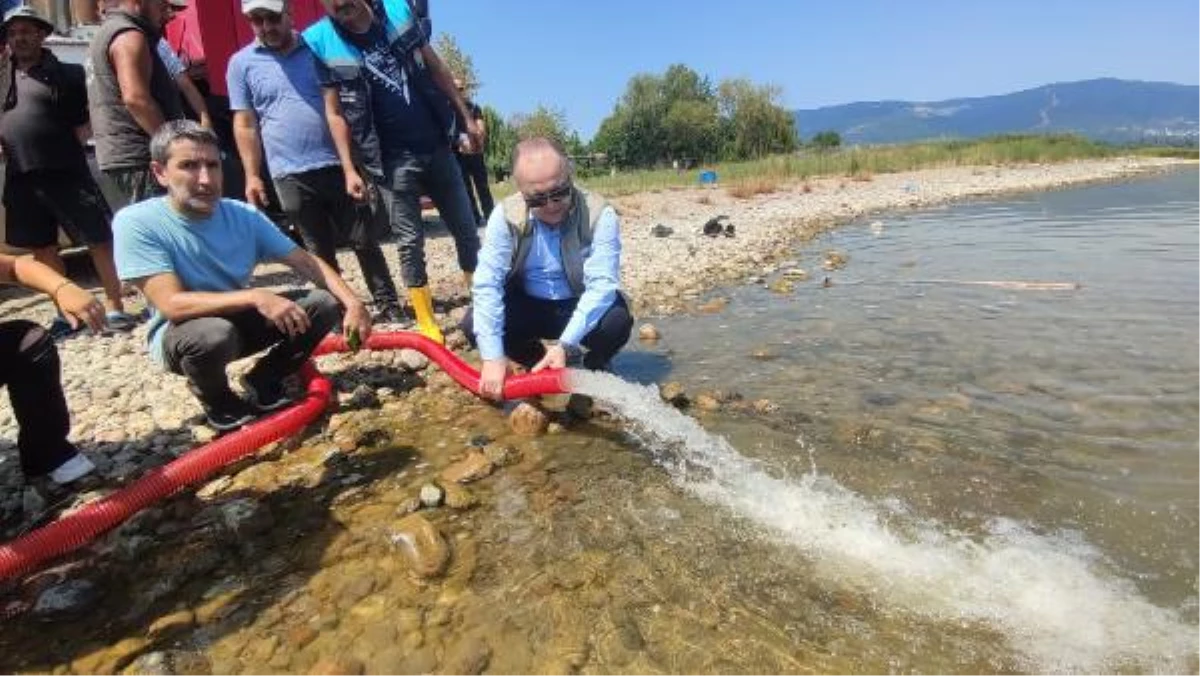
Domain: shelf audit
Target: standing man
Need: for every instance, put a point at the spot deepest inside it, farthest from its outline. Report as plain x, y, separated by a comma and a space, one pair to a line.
178, 71
391, 106
130, 93
192, 254
277, 105
550, 269
47, 180
470, 162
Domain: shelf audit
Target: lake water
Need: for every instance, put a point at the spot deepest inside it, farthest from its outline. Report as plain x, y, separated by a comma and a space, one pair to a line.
955, 477
1016, 457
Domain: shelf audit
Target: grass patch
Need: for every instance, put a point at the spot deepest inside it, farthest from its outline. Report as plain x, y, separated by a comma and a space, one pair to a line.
864, 163
750, 187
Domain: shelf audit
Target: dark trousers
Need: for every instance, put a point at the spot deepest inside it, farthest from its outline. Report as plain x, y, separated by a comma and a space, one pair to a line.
316, 201
133, 185
528, 321
201, 348
475, 178
406, 178
29, 366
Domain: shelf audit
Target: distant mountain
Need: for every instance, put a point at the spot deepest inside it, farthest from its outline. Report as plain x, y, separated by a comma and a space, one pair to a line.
1107, 109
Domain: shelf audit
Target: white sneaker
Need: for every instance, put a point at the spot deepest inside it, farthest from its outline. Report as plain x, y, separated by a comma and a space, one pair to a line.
78, 466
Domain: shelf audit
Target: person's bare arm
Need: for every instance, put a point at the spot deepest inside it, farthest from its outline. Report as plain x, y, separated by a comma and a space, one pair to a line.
76, 303
131, 60
320, 273
245, 134
444, 79
194, 99
168, 295
339, 129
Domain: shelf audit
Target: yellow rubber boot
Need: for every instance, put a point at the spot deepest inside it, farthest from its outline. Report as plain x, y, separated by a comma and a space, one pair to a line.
422, 302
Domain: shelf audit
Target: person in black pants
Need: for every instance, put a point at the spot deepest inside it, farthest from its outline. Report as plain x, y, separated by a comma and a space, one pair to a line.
474, 169
549, 270
29, 367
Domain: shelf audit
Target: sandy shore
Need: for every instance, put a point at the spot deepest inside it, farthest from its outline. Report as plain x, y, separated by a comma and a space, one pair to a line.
129, 416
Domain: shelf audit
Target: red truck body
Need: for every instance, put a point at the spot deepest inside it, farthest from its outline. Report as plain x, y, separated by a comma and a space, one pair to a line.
209, 32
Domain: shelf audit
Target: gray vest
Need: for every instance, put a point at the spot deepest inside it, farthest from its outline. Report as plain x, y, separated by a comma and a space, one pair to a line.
577, 229
120, 141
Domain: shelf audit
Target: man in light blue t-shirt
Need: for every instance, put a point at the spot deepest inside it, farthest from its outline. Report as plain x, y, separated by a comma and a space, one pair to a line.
192, 254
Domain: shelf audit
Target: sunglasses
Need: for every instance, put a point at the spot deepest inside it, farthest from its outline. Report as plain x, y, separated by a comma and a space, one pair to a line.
541, 199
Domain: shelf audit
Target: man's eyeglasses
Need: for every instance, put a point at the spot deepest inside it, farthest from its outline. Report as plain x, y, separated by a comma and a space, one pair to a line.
541, 199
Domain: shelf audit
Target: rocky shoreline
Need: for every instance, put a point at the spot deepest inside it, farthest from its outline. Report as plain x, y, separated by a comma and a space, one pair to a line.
130, 417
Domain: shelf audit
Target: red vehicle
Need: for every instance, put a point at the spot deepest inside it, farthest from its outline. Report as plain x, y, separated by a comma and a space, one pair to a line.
208, 32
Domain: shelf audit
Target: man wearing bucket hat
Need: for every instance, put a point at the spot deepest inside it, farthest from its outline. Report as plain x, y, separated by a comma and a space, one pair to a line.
130, 93
277, 108
47, 179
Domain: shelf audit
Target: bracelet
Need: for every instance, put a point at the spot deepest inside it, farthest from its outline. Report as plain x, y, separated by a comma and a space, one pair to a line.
54, 293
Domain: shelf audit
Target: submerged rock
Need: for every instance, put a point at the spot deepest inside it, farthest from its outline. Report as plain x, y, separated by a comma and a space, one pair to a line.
673, 394
460, 497
713, 306
431, 496
648, 332
474, 467
502, 455
528, 419
424, 548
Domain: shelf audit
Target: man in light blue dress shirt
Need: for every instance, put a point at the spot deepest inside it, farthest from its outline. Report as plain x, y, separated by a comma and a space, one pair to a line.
549, 269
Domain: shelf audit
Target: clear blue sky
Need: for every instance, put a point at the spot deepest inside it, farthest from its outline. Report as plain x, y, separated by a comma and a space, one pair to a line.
578, 56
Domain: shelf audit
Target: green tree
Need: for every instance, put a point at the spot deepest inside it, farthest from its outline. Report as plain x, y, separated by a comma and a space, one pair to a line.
692, 130
826, 140
543, 121
754, 124
501, 139
661, 117
459, 63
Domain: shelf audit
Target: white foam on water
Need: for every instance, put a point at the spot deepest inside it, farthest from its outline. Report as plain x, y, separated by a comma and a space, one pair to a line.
1048, 594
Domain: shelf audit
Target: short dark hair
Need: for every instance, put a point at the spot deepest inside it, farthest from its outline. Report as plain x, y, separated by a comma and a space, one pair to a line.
179, 130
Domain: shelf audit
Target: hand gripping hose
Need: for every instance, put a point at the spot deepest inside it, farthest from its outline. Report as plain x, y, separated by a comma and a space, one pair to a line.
81, 527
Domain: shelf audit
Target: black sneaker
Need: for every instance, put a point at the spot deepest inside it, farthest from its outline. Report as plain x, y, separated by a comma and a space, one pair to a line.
265, 395
390, 314
229, 415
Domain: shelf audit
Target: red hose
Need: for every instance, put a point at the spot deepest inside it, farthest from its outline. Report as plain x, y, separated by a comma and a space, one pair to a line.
81, 527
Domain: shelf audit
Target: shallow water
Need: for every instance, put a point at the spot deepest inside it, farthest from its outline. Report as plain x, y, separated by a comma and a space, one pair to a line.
1052, 434
959, 478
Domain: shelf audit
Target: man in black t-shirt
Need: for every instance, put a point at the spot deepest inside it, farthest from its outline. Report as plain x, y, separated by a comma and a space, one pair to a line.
470, 160
47, 180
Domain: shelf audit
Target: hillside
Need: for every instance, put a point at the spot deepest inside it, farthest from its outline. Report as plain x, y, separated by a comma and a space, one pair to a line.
1106, 109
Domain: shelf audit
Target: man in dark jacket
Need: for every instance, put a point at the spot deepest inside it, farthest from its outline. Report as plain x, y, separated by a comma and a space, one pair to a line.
392, 107
47, 180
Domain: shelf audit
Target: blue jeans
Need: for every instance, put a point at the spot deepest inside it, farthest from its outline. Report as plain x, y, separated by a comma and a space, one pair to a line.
406, 178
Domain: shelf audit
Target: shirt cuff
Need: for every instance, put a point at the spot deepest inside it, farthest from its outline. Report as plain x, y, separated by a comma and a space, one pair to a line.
491, 347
